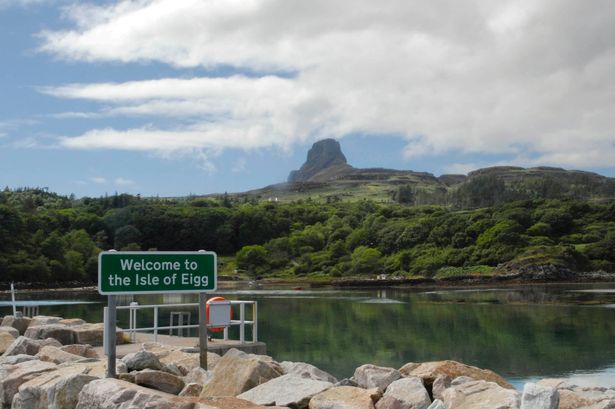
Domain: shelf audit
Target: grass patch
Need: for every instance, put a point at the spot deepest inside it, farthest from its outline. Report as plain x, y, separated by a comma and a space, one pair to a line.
474, 271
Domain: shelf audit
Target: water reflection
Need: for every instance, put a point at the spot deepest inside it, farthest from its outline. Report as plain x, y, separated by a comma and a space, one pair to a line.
522, 333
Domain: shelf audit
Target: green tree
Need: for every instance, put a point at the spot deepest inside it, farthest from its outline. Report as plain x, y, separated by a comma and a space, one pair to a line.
253, 259
366, 260
125, 235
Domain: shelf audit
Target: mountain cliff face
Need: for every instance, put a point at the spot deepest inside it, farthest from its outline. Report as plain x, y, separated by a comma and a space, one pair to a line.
327, 176
325, 160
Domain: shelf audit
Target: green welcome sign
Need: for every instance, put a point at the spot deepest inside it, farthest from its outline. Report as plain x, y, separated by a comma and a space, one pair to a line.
156, 272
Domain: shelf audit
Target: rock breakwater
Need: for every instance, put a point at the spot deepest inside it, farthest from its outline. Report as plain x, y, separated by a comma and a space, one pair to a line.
38, 370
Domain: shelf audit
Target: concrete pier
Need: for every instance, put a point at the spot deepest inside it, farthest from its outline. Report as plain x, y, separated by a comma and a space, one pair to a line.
217, 346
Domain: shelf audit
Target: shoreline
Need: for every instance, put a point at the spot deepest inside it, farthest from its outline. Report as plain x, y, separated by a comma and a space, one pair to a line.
351, 283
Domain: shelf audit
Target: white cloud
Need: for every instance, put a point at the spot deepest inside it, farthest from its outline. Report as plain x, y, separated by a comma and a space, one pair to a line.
239, 165
20, 3
516, 77
120, 181
99, 180
460, 168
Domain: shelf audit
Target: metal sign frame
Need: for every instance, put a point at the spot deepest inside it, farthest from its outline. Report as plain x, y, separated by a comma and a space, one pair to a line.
110, 316
158, 253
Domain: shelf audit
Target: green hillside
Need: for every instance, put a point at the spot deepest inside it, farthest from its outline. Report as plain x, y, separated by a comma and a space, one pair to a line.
49, 238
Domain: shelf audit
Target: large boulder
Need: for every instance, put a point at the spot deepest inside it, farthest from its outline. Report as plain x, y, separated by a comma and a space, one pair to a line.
438, 387
408, 392
19, 323
22, 345
85, 351
429, 371
39, 320
99, 368
304, 370
56, 355
185, 361
471, 394
9, 330
539, 397
137, 361
286, 390
63, 333
371, 376
191, 389
572, 396
13, 376
93, 334
198, 375
162, 381
437, 404
231, 402
113, 393
16, 359
71, 322
343, 397
6, 340
237, 372
55, 389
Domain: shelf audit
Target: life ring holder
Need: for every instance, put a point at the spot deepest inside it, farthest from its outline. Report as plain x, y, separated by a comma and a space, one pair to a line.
213, 300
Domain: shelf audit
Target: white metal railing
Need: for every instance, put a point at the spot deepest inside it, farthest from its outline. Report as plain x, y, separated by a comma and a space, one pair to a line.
134, 307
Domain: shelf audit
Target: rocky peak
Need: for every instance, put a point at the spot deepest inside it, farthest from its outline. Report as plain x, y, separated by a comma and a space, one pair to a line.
324, 159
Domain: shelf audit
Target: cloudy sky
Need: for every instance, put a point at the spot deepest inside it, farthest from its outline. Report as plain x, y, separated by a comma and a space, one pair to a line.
172, 97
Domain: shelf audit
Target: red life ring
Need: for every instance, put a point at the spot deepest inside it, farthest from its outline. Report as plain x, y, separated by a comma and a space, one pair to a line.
215, 299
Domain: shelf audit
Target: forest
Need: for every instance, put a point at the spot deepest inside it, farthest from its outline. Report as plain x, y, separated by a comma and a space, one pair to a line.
46, 237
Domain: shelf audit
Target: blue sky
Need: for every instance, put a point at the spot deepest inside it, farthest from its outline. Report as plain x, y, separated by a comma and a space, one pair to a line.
169, 98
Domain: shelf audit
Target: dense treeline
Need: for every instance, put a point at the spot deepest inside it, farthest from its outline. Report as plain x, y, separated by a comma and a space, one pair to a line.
44, 236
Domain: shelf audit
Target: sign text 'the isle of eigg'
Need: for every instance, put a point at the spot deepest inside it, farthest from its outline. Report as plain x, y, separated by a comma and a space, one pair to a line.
128, 272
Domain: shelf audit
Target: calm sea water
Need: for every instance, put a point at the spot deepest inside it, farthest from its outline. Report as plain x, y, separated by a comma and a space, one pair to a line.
523, 333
